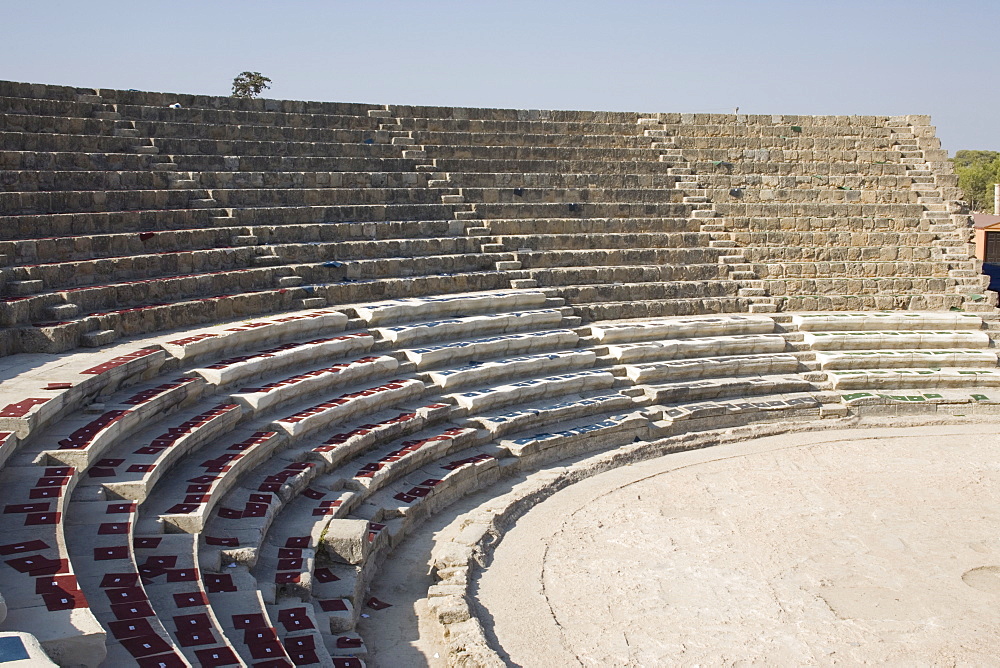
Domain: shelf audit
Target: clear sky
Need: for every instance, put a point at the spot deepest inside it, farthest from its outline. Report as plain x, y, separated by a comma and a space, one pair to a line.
937, 57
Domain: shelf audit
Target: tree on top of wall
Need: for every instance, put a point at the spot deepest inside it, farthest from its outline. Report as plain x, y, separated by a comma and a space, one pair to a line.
248, 85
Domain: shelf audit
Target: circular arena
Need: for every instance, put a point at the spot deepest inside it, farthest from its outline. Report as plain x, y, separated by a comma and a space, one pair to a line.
292, 383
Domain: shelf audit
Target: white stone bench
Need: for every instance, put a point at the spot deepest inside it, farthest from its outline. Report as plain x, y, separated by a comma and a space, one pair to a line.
917, 396
887, 359
87, 443
259, 399
612, 430
238, 525
470, 326
864, 379
421, 307
874, 340
227, 338
488, 372
59, 386
716, 388
738, 407
710, 346
534, 416
711, 367
345, 445
435, 485
492, 346
398, 459
885, 320
349, 405
133, 477
682, 327
535, 389
227, 371
198, 494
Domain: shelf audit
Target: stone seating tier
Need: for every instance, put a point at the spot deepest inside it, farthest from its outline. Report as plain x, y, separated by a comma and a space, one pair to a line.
679, 260
578, 278
137, 200
542, 127
27, 180
620, 139
545, 242
95, 127
881, 180
877, 247
396, 484
640, 164
90, 298
59, 249
573, 230
869, 269
744, 169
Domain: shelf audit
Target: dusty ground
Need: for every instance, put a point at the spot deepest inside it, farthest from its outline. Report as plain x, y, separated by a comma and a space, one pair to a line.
846, 547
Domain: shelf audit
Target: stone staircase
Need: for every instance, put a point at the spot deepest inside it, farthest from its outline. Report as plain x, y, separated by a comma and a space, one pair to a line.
937, 190
698, 197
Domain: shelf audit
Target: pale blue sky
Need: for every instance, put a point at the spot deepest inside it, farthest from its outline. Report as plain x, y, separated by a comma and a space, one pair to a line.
765, 56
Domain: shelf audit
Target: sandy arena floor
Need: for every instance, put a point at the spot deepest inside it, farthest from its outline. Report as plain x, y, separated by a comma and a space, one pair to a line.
847, 547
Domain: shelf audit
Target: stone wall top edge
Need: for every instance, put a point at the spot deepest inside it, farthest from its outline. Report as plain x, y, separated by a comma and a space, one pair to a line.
158, 98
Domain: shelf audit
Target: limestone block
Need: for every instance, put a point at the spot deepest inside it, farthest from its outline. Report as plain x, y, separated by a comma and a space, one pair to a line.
603, 431
99, 338
413, 308
709, 346
913, 378
348, 405
536, 415
735, 365
346, 540
267, 361
495, 346
671, 328
258, 399
885, 359
488, 372
476, 401
885, 320
874, 340
470, 326
449, 609
716, 388
231, 337
467, 646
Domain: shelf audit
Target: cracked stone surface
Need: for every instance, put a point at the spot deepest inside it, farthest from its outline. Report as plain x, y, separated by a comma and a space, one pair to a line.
837, 547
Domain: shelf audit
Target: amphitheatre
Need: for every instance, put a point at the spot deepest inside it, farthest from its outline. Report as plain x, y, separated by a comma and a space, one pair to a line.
295, 383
